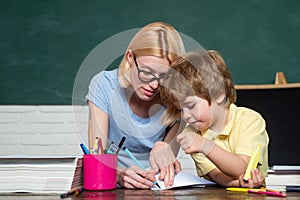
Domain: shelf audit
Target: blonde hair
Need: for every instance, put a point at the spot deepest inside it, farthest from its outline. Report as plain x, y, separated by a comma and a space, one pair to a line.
155, 39
203, 74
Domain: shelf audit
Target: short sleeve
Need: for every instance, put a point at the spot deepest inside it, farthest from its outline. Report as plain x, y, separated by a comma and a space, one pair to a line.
252, 133
100, 89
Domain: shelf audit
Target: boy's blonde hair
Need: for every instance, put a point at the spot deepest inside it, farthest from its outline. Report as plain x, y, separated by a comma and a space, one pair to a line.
203, 74
155, 39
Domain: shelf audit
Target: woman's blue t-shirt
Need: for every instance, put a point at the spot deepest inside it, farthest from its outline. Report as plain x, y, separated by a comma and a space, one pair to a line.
141, 133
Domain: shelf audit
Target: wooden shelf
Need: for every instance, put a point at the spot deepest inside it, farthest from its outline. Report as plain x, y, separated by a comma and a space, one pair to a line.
267, 86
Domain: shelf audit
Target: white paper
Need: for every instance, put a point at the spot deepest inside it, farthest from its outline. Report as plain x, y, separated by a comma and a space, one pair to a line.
184, 179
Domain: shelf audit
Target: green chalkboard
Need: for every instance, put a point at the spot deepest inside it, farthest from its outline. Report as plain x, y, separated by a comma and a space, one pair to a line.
43, 43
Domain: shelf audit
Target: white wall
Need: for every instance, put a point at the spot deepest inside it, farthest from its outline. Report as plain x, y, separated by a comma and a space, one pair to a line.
42, 130
49, 131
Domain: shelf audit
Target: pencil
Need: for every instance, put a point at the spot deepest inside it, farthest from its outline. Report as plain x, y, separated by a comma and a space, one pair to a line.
70, 192
77, 192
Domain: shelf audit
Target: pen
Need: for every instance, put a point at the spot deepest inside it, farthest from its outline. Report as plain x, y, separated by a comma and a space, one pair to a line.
137, 162
252, 163
84, 149
121, 144
277, 194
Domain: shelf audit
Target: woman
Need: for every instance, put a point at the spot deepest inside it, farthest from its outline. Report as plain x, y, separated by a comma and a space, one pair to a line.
126, 102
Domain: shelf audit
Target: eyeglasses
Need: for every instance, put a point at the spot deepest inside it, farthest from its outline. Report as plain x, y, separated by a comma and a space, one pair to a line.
145, 76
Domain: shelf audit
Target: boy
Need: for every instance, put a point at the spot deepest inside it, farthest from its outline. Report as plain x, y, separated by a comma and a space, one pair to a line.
220, 136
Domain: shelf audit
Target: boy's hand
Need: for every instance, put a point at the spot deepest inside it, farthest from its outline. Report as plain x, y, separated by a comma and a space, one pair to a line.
190, 142
256, 181
162, 159
193, 143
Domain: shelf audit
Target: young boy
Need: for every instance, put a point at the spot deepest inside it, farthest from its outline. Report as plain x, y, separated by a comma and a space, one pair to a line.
220, 136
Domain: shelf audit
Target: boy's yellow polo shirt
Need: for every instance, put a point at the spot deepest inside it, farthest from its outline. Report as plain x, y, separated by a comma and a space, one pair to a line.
241, 135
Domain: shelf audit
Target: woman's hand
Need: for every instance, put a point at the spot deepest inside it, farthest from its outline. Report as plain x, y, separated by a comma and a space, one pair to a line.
256, 181
135, 177
163, 160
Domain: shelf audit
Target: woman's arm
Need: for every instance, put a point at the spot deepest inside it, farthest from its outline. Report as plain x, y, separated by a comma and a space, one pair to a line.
132, 177
98, 125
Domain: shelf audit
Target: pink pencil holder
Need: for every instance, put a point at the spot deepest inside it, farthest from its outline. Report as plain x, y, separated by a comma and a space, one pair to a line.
100, 171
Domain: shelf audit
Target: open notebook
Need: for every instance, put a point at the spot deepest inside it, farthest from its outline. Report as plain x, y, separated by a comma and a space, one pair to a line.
184, 179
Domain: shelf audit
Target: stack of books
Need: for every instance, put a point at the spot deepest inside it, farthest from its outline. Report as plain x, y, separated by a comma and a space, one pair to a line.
282, 176
50, 175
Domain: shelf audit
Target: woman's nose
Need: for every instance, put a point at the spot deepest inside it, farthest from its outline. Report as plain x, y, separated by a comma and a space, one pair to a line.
154, 84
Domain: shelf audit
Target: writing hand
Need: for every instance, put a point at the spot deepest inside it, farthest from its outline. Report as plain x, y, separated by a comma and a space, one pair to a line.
136, 178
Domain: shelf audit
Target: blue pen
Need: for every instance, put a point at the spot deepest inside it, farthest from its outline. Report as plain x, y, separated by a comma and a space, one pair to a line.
84, 149
136, 161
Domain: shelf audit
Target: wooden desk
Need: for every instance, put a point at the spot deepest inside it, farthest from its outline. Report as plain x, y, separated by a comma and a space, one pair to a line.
215, 193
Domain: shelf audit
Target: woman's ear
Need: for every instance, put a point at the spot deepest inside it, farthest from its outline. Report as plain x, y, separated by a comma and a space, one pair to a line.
129, 56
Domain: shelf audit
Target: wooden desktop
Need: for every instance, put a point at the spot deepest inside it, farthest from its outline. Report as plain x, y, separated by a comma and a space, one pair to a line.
215, 193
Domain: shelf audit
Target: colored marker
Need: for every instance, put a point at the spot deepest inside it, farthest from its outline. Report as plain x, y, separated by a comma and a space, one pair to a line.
277, 194
109, 148
252, 163
121, 144
84, 149
137, 162
243, 189
95, 147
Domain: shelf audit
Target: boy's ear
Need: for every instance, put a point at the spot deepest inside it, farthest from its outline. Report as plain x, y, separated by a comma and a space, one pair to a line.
220, 99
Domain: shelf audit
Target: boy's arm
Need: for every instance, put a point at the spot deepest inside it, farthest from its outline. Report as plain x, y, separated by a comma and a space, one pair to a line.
232, 165
163, 156
256, 181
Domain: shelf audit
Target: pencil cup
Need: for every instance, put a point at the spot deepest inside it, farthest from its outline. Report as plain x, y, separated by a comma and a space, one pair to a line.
99, 171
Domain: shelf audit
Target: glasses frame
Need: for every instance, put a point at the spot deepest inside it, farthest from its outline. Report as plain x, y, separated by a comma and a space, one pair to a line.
146, 72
